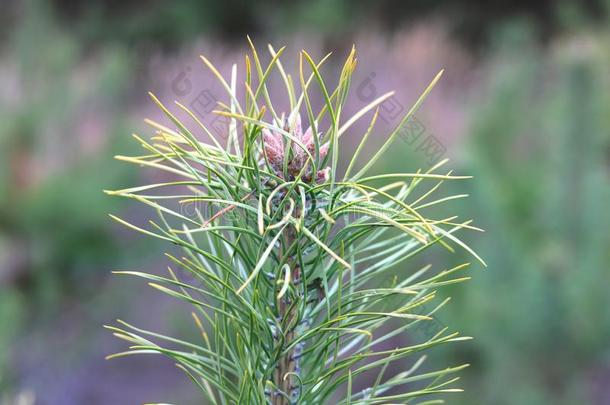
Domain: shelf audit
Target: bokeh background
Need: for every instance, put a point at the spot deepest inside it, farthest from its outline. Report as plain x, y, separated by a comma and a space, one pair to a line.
524, 106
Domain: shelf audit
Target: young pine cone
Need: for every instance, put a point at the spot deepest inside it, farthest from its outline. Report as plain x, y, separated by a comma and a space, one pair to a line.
298, 160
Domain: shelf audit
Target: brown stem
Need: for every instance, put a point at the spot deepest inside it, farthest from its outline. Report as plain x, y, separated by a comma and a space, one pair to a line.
288, 313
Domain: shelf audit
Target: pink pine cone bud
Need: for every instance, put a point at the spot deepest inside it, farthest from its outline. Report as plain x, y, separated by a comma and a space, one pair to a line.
274, 148
323, 175
323, 151
307, 140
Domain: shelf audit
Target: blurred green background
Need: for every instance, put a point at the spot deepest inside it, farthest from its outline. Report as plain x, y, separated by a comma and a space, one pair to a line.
524, 106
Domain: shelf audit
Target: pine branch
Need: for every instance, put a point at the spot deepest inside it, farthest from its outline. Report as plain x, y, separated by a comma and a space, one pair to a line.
288, 262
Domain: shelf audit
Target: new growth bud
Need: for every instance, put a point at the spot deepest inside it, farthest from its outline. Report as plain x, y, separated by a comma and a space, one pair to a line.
288, 142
